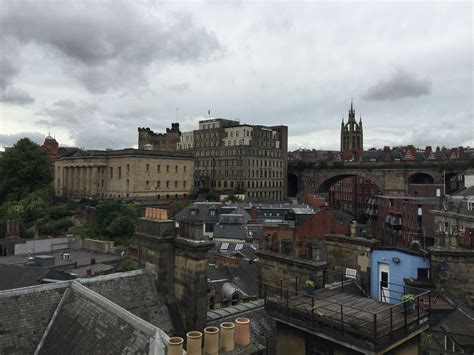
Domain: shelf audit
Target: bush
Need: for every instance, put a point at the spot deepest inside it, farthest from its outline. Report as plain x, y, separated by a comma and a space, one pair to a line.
47, 229
123, 226
127, 263
64, 224
58, 212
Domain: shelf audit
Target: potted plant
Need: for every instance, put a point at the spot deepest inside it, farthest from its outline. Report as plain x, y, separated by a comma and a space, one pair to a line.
309, 287
408, 300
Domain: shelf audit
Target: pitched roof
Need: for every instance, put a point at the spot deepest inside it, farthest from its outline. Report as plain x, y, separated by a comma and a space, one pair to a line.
124, 308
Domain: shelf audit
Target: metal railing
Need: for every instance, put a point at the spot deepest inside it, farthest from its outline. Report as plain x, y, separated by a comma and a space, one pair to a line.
289, 300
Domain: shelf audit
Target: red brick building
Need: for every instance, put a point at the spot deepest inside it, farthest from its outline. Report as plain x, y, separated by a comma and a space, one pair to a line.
324, 221
398, 220
51, 146
352, 194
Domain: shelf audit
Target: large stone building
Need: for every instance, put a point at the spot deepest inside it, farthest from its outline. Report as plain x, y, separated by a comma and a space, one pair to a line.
352, 135
231, 157
241, 158
165, 142
126, 173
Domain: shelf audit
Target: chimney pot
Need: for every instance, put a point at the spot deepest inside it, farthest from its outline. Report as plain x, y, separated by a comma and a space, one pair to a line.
211, 341
89, 272
227, 336
242, 331
175, 346
194, 343
92, 261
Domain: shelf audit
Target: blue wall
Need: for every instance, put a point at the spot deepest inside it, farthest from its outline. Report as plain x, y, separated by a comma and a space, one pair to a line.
408, 267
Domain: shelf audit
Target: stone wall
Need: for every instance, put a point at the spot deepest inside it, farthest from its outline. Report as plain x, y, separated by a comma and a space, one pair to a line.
274, 266
350, 252
460, 280
156, 252
167, 142
44, 245
190, 284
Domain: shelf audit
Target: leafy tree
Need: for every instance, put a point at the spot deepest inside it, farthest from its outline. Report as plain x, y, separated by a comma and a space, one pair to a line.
23, 169
123, 226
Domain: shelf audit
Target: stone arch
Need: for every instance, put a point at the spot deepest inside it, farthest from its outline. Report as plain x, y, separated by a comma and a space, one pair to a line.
293, 184
421, 178
328, 182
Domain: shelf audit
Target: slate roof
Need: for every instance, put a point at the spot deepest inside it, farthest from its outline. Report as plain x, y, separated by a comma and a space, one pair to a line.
15, 276
262, 326
244, 277
112, 314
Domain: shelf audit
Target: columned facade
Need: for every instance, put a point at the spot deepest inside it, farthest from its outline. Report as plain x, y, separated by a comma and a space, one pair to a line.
128, 173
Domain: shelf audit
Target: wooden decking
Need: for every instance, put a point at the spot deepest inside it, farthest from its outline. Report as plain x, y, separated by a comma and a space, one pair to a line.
349, 313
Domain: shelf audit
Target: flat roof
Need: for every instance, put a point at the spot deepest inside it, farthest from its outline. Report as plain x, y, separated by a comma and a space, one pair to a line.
80, 256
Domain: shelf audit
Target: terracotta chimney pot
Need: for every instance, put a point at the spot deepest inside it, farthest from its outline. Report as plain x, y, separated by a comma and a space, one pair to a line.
175, 346
242, 331
227, 336
194, 343
211, 340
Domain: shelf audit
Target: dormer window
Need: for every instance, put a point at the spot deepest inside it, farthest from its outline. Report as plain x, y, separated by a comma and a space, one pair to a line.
194, 211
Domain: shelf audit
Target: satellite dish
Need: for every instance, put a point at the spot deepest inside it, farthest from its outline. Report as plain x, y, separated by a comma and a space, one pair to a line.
443, 270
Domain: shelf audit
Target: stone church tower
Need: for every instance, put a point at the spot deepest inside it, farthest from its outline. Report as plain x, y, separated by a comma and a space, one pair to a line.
352, 135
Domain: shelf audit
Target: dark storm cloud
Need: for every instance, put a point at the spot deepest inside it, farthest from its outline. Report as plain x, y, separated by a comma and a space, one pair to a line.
108, 44
400, 85
7, 140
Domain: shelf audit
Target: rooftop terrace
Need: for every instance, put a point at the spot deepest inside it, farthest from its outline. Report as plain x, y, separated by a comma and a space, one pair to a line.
340, 310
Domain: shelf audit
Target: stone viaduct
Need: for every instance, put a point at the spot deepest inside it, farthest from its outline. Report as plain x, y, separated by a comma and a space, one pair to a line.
392, 178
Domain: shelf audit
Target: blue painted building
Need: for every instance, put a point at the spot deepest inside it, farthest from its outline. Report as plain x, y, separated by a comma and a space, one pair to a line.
389, 267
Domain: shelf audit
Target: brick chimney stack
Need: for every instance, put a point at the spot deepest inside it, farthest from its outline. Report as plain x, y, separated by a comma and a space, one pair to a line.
386, 153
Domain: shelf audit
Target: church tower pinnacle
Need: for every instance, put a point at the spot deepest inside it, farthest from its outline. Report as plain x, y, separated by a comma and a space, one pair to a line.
352, 134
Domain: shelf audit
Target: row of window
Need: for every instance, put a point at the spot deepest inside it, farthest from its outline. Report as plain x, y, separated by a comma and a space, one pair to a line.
240, 162
168, 184
239, 152
168, 168
235, 142
251, 174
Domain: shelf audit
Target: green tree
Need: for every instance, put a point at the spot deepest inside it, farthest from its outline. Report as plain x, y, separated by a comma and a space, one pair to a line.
23, 169
127, 263
121, 227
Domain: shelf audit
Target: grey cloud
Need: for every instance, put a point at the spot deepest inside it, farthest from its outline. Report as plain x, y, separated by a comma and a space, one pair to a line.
7, 72
13, 95
400, 85
10, 94
88, 126
7, 140
107, 46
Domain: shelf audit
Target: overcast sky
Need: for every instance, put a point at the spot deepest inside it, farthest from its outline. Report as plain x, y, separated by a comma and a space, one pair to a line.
91, 72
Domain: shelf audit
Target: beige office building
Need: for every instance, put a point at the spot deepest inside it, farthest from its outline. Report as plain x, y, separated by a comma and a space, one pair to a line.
242, 158
127, 173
